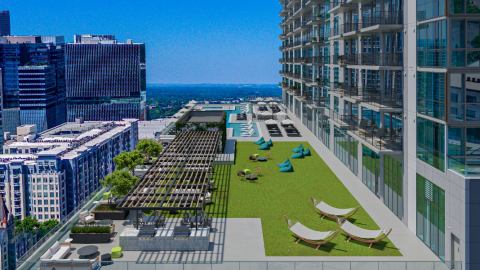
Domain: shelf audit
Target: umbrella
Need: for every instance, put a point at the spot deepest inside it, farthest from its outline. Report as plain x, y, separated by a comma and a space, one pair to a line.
287, 122
273, 103
261, 103
270, 122
193, 102
280, 114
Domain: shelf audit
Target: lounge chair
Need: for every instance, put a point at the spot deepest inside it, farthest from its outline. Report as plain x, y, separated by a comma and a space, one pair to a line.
247, 124
332, 212
361, 126
298, 149
284, 164
308, 235
248, 134
260, 142
362, 235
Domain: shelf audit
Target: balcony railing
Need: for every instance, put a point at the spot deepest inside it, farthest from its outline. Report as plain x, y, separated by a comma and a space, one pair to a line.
289, 60
381, 138
297, 75
390, 98
351, 59
336, 31
466, 166
321, 82
307, 78
383, 17
350, 27
323, 59
317, 101
285, 10
281, 72
336, 3
375, 59
345, 120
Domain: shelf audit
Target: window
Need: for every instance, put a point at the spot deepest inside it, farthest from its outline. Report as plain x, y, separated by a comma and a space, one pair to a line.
371, 168
427, 9
431, 143
460, 7
462, 153
431, 215
432, 44
464, 93
431, 94
465, 43
393, 192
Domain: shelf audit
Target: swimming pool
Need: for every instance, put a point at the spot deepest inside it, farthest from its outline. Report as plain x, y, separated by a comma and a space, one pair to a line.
212, 108
237, 129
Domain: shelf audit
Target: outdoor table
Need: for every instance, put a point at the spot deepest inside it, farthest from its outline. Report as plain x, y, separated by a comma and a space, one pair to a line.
196, 219
241, 173
262, 159
149, 219
252, 176
106, 259
87, 250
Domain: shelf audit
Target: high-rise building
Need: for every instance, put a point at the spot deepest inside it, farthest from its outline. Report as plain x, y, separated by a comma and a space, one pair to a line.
106, 80
28, 97
48, 174
4, 23
392, 89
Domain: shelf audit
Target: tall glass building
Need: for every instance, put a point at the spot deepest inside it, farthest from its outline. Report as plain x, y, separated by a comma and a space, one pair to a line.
4, 23
28, 96
106, 80
391, 88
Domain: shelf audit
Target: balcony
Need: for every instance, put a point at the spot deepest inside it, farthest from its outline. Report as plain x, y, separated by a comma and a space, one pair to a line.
292, 3
283, 2
340, 6
343, 121
466, 166
319, 82
322, 20
284, 12
314, 2
307, 78
319, 102
383, 99
382, 21
382, 59
322, 60
381, 139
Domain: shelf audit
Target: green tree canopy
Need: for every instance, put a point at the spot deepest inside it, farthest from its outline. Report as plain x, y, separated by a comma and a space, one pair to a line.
128, 160
120, 182
149, 148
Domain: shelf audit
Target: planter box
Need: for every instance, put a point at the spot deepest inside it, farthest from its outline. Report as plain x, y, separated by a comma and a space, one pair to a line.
86, 238
120, 215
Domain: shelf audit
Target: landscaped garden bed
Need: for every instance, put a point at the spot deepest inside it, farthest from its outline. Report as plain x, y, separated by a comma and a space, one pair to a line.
103, 211
99, 232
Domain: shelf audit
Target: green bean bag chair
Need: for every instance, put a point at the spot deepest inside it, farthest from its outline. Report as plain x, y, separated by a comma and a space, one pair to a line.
298, 149
284, 164
260, 142
289, 168
307, 152
270, 143
264, 147
298, 155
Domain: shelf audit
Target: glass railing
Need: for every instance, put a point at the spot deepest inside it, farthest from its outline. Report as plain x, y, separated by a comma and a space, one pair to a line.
155, 265
466, 166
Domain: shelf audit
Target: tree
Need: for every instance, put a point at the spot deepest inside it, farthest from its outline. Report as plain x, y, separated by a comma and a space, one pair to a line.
120, 182
149, 148
128, 160
28, 224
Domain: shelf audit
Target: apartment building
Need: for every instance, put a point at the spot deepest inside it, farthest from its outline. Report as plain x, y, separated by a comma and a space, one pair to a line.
106, 80
48, 174
391, 88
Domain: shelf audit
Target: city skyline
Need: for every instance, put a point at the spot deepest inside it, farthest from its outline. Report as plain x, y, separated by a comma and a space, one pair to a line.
187, 47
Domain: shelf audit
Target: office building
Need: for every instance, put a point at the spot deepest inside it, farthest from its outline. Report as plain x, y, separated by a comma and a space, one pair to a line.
33, 69
392, 90
106, 80
4, 23
48, 174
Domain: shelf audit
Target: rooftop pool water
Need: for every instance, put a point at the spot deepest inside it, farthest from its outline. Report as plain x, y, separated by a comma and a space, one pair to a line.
237, 129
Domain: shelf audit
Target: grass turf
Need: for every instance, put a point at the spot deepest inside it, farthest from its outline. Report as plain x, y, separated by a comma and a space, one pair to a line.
276, 194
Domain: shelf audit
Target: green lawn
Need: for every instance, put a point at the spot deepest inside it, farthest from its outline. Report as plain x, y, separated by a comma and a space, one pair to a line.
277, 194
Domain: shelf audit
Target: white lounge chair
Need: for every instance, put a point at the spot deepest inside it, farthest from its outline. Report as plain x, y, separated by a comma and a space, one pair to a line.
247, 124
332, 212
247, 128
362, 235
86, 217
248, 134
308, 235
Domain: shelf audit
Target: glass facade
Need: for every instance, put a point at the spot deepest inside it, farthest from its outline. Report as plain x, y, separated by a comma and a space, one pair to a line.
393, 181
427, 9
324, 132
432, 44
431, 143
464, 7
431, 215
465, 43
464, 97
431, 94
371, 169
464, 150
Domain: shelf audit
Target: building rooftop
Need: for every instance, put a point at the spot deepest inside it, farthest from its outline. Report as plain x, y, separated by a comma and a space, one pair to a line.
202, 117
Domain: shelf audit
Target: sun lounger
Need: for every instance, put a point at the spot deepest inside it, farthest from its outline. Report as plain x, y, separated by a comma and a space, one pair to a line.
332, 212
248, 134
362, 235
308, 235
247, 124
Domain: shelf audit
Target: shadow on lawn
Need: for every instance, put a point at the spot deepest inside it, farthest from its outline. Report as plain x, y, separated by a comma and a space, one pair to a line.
382, 245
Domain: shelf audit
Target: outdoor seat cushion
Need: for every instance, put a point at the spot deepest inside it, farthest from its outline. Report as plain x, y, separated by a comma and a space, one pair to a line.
264, 147
288, 168
298, 149
83, 214
60, 253
247, 171
260, 142
256, 155
298, 155
284, 164
55, 247
47, 255
116, 252
89, 219
270, 143
307, 152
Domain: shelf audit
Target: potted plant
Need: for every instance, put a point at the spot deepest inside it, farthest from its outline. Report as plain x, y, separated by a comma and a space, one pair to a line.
314, 39
294, 88
284, 83
105, 211
322, 39
319, 16
339, 59
99, 232
339, 85
317, 80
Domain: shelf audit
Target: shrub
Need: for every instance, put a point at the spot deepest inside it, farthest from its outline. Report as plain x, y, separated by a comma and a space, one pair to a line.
90, 229
106, 208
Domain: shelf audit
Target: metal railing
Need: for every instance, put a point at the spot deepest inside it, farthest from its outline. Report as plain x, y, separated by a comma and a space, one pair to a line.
317, 101
320, 82
390, 98
380, 138
346, 120
382, 59
297, 75
350, 27
307, 78
263, 265
336, 3
322, 59
352, 59
383, 17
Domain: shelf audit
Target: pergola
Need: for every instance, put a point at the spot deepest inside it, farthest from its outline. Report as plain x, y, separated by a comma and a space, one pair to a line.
179, 178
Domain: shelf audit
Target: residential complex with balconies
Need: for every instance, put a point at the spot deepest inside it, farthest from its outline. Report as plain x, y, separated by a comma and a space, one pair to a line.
391, 88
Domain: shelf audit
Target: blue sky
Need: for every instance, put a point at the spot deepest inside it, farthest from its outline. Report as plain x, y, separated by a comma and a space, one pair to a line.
189, 42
